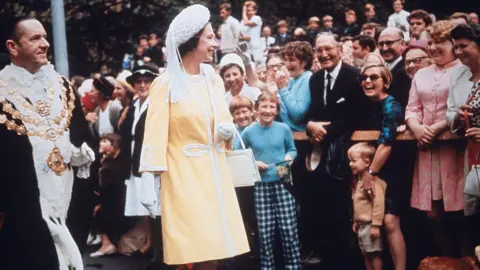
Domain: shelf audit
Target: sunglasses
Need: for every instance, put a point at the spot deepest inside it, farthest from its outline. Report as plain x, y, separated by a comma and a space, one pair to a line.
372, 77
388, 42
416, 61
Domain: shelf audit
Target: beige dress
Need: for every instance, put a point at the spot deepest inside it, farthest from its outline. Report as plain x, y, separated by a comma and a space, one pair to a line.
201, 219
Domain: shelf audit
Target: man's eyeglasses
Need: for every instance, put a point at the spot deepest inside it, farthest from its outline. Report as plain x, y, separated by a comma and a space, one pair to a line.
372, 77
416, 61
387, 42
277, 66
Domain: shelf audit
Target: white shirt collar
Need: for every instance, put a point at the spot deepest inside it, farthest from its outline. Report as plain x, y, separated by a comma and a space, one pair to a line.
335, 71
25, 78
394, 63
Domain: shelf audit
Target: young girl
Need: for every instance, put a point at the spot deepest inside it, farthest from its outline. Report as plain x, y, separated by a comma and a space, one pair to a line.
367, 215
272, 143
112, 191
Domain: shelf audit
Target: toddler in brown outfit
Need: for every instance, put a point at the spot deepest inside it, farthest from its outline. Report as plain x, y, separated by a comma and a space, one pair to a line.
368, 213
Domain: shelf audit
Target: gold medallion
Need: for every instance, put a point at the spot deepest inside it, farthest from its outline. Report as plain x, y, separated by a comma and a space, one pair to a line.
55, 162
43, 108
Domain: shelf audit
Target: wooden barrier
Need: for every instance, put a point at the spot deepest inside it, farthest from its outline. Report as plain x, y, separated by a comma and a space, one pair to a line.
372, 135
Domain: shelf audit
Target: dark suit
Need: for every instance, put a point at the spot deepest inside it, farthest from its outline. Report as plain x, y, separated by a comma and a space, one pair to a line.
282, 40
401, 83
326, 201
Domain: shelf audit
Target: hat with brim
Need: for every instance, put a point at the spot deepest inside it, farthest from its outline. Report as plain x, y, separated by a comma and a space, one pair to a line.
105, 86
148, 70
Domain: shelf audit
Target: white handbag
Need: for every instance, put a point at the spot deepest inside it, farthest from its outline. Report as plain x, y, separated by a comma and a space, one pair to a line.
242, 164
472, 182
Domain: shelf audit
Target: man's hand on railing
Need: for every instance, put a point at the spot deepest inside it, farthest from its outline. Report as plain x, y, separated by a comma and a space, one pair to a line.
318, 131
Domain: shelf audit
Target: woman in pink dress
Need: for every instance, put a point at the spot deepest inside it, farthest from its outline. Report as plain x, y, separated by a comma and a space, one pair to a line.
438, 178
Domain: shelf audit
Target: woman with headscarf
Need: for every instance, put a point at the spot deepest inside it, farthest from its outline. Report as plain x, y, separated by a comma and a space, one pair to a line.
187, 131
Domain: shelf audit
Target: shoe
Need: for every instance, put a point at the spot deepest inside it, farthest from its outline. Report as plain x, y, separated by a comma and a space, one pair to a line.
314, 259
139, 254
109, 251
307, 257
95, 241
90, 238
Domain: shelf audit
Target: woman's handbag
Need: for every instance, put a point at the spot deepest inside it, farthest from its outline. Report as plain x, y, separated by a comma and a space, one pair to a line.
242, 164
472, 181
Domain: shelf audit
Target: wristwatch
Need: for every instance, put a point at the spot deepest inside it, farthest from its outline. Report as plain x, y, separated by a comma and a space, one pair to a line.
372, 172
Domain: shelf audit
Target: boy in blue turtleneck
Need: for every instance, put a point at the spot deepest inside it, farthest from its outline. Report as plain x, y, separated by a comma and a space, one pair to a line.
272, 143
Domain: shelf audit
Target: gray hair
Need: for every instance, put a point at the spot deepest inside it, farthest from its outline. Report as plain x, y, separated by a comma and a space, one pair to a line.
330, 34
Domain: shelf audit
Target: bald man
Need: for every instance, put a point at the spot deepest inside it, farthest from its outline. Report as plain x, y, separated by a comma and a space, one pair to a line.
473, 18
391, 45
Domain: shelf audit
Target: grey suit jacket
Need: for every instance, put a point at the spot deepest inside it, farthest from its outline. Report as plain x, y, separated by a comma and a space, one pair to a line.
460, 88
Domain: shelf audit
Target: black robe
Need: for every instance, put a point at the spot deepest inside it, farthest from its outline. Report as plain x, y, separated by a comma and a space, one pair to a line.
25, 240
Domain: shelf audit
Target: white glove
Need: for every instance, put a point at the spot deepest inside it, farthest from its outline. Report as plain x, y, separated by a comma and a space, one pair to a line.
149, 197
82, 158
225, 131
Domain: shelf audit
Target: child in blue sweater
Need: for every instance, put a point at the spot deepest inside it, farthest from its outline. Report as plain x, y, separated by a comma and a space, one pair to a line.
272, 143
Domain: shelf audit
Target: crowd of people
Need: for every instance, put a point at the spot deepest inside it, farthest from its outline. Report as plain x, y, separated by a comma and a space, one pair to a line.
160, 185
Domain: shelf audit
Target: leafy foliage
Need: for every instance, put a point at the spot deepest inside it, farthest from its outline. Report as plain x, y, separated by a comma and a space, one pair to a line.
102, 31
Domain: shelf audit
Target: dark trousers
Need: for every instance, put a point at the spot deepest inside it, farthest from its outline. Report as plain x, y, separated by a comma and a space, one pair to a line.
247, 208
80, 211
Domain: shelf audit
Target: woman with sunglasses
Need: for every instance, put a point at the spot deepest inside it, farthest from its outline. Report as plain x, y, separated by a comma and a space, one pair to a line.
375, 80
438, 177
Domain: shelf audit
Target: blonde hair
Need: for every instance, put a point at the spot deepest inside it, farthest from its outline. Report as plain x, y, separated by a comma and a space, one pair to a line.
239, 102
440, 31
365, 150
126, 85
378, 58
384, 72
268, 96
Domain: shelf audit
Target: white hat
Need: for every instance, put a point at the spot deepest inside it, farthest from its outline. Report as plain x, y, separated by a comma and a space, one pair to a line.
183, 27
85, 87
122, 76
232, 58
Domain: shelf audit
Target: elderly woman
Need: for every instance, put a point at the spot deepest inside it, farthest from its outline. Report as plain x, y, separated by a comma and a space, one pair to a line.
416, 57
438, 178
232, 71
465, 86
188, 129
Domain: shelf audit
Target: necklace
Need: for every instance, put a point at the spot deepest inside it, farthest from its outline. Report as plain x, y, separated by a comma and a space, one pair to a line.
55, 160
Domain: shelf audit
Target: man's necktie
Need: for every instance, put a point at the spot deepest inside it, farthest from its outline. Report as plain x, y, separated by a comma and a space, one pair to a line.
328, 89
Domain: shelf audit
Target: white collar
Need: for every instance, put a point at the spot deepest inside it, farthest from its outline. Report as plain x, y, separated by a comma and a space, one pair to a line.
25, 78
144, 104
394, 63
335, 71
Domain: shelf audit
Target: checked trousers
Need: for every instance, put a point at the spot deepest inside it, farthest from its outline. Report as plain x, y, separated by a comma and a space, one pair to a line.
275, 205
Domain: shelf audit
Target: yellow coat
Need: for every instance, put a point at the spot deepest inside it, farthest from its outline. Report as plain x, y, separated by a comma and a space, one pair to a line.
201, 219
